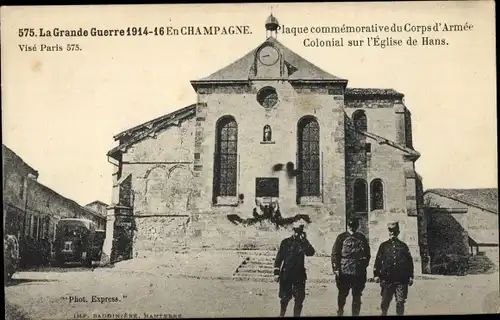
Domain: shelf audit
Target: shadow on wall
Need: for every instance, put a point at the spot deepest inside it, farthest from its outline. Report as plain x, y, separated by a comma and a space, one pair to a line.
450, 248
123, 238
448, 245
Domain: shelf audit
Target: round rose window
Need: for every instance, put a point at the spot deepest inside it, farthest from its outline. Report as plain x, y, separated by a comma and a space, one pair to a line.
267, 97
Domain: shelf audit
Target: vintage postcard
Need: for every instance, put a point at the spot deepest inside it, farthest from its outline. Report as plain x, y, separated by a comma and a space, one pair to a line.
250, 160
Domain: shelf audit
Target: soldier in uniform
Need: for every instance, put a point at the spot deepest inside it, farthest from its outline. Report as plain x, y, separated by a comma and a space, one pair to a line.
289, 269
394, 270
11, 255
350, 258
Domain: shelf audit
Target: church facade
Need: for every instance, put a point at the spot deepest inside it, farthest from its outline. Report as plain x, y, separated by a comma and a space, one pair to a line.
269, 129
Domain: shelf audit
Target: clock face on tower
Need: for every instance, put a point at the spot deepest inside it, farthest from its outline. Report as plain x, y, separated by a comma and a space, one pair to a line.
268, 56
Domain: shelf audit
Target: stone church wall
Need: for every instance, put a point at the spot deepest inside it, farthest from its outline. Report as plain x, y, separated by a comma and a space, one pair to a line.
257, 159
379, 161
380, 114
214, 231
162, 188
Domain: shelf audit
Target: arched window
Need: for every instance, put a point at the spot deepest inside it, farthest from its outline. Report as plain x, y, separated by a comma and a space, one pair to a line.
308, 145
226, 158
360, 121
377, 195
360, 196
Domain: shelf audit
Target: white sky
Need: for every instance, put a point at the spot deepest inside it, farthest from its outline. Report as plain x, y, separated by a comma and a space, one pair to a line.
61, 109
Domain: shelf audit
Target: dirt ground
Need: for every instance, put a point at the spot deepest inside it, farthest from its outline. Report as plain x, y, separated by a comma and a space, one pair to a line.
109, 293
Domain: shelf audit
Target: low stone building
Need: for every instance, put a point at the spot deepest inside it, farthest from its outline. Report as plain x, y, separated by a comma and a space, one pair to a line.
31, 209
269, 128
462, 223
101, 208
46, 206
16, 174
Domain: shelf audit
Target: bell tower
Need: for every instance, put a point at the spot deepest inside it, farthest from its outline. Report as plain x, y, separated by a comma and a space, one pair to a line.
272, 26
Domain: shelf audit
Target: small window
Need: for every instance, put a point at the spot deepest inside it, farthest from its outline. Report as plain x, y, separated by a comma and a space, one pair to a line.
360, 121
368, 147
360, 196
377, 195
27, 230
35, 228
267, 97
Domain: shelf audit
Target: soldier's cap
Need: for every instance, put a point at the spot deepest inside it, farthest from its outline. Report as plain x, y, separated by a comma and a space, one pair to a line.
393, 226
353, 223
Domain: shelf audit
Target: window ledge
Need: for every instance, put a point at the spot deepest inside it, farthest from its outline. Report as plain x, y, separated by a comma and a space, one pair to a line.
226, 202
310, 201
311, 204
360, 213
267, 142
225, 205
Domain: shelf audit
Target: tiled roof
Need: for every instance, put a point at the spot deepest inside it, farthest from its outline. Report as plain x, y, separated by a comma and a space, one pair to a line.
98, 202
362, 92
144, 130
93, 212
8, 153
483, 198
69, 204
486, 236
154, 122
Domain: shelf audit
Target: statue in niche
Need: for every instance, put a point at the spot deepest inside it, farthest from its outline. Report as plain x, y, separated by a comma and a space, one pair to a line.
267, 133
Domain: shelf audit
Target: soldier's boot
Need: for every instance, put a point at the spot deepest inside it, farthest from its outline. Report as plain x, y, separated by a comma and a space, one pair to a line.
341, 299
384, 311
283, 305
384, 308
356, 308
297, 309
400, 308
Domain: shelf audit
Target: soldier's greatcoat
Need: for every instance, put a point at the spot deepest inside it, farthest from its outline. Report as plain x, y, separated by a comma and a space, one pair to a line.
353, 261
289, 263
394, 262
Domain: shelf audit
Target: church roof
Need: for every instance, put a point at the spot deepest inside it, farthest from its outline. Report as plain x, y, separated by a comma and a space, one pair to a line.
482, 198
154, 122
372, 92
142, 131
240, 70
